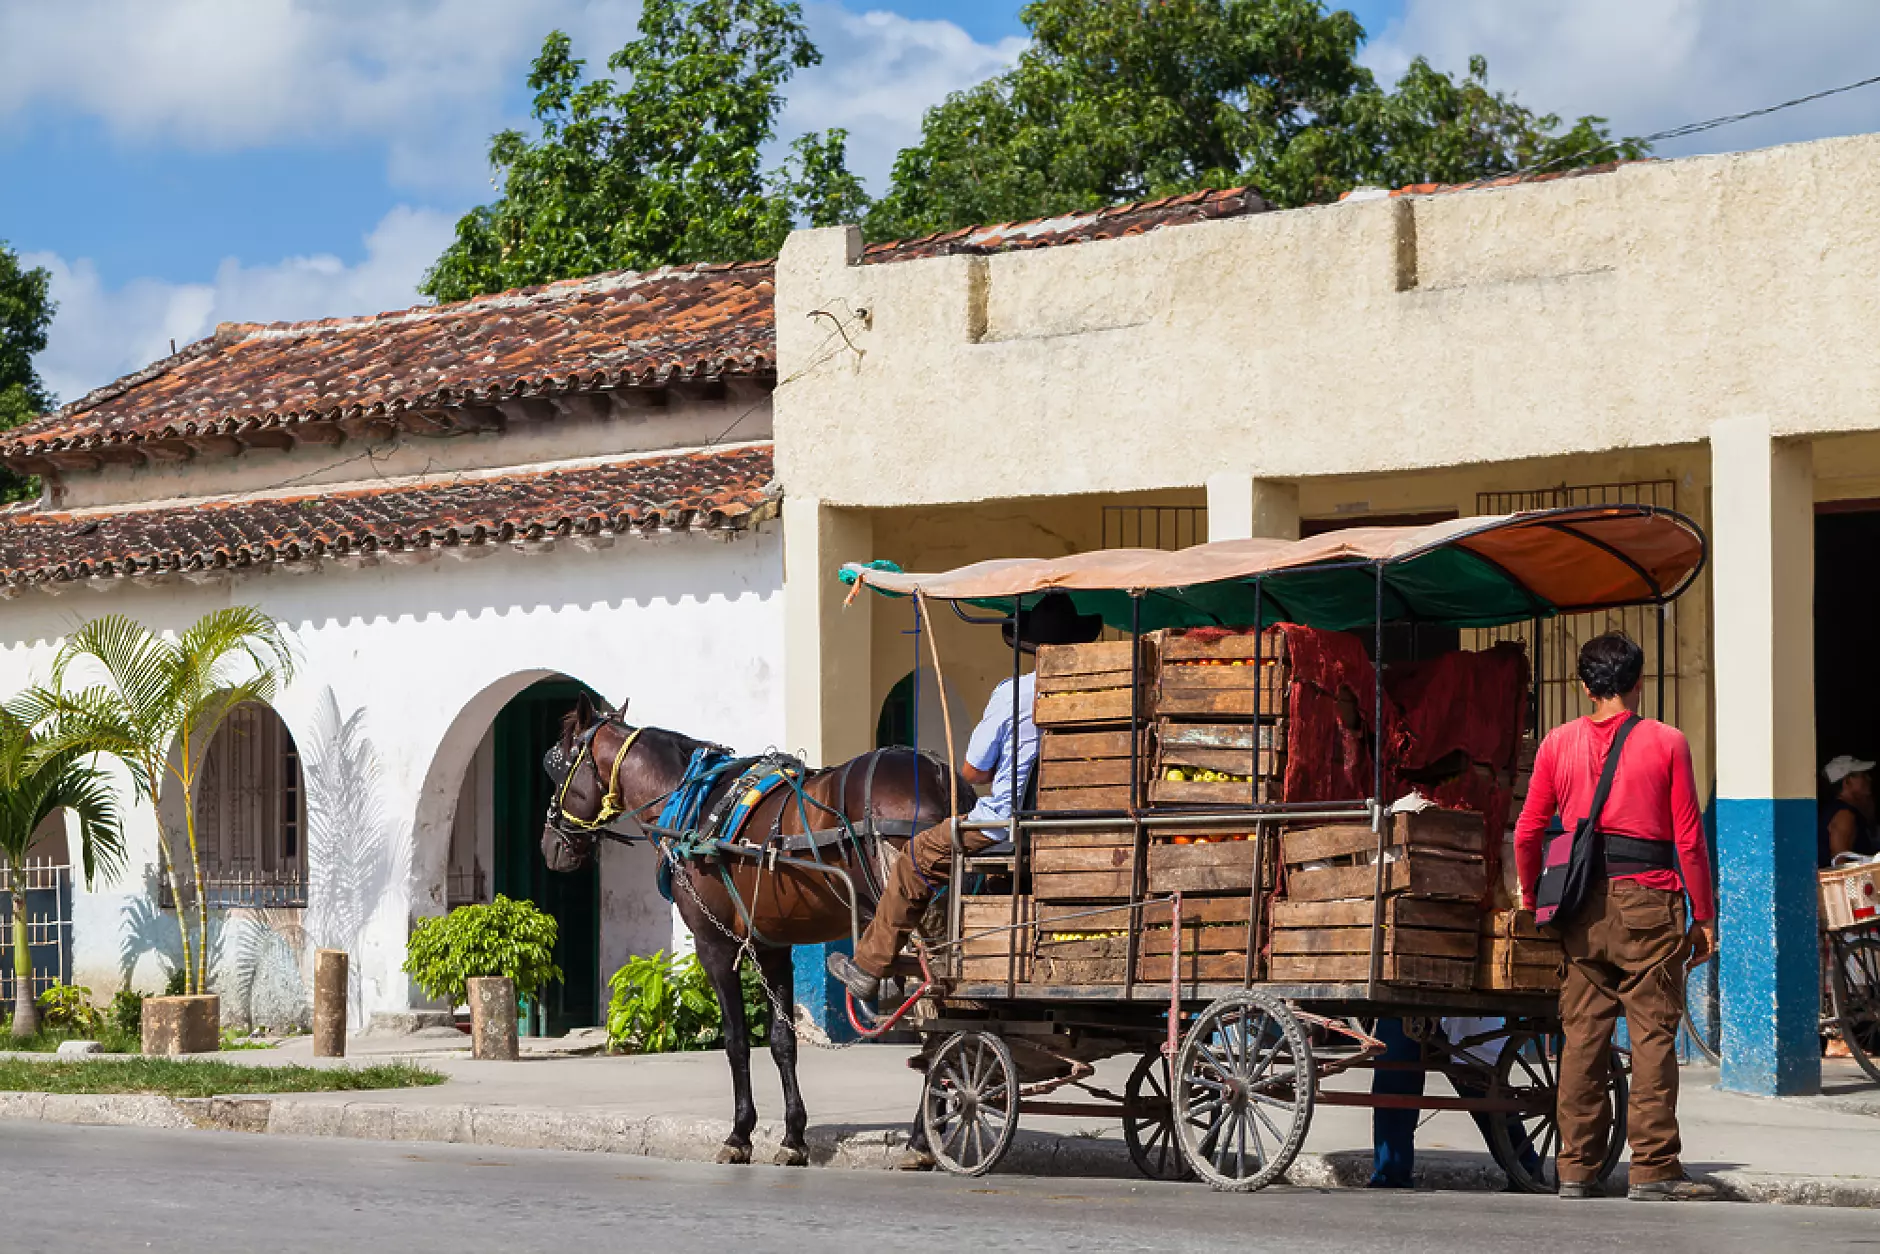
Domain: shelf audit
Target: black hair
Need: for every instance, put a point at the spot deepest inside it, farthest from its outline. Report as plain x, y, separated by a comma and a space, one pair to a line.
1611, 665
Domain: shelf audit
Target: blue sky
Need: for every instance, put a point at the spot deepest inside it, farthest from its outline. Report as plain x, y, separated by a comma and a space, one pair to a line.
181, 162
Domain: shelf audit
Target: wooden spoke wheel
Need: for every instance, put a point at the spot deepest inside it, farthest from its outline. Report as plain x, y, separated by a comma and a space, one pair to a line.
1149, 1121
1856, 986
970, 1104
1527, 1146
1244, 1086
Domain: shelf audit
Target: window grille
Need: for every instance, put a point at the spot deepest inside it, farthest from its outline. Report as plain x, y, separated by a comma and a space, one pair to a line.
1154, 526
250, 814
1555, 657
465, 881
48, 888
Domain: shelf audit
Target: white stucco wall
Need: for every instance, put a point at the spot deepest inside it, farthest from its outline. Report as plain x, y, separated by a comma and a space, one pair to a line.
687, 628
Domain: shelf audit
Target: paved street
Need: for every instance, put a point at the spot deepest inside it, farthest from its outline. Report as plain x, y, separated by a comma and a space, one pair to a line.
75, 1190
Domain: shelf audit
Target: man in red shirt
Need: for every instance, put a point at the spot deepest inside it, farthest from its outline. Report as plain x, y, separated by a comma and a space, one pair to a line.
1626, 944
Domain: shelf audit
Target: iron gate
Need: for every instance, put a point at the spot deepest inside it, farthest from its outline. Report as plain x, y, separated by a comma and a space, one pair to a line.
48, 926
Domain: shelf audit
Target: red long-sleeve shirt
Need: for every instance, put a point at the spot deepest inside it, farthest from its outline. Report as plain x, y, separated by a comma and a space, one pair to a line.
1653, 797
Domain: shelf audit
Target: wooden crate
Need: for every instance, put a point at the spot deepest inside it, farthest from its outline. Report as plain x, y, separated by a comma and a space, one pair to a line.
1220, 693
1190, 749
1418, 970
1406, 912
1083, 866
1212, 861
1445, 831
1086, 770
1517, 924
1418, 872
1181, 645
985, 949
1084, 946
1426, 943
1519, 964
1084, 684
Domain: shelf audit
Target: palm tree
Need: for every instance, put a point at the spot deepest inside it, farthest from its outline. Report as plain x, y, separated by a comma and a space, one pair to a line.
157, 709
36, 781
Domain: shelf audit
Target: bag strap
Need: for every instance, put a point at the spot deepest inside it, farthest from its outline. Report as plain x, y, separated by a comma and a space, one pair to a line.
1611, 768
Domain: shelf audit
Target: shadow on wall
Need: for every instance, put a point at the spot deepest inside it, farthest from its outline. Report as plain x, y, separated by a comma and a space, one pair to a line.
151, 931
351, 857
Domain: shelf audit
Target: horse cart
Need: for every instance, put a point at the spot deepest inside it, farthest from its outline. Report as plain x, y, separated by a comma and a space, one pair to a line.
1264, 822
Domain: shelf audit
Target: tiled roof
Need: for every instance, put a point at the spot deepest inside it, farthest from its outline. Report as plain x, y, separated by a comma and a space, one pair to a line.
1505, 180
1076, 228
259, 383
717, 489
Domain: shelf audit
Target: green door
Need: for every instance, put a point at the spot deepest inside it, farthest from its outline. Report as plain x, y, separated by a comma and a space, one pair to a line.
524, 730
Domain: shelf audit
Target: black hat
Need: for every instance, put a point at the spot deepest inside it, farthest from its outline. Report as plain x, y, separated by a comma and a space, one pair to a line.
1054, 620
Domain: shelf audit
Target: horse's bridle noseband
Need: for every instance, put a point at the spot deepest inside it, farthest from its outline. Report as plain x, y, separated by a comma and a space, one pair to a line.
562, 768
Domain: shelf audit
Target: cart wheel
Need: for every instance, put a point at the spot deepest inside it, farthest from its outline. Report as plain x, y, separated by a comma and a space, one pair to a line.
1149, 1121
1856, 985
1244, 1085
970, 1104
1702, 1028
1527, 1146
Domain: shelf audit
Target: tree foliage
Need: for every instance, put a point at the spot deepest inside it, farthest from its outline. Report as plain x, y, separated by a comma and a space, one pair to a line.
26, 309
1120, 100
664, 1005
666, 169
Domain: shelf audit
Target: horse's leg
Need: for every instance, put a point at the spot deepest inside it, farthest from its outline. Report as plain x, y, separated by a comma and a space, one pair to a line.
779, 976
719, 956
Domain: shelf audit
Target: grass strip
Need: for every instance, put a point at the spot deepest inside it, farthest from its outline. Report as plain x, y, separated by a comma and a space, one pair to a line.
172, 1077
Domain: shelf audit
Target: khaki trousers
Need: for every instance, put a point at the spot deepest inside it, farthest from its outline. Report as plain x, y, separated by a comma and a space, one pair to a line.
922, 867
1625, 952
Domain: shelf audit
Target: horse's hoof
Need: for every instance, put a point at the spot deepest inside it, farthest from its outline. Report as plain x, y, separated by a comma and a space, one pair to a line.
915, 1160
787, 1157
734, 1155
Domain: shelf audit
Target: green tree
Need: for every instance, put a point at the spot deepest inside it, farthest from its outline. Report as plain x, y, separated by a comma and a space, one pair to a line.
26, 309
36, 781
663, 171
1119, 100
156, 707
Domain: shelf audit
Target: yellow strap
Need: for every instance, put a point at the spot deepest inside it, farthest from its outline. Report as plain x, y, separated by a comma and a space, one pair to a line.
610, 802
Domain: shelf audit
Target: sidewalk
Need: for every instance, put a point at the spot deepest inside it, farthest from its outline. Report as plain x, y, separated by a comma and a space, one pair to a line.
1815, 1151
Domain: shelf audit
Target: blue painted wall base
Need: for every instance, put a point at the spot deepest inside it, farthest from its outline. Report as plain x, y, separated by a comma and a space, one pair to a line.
1769, 969
818, 992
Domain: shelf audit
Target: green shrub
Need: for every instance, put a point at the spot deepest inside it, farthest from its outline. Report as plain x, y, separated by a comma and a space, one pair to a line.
505, 937
68, 1008
127, 1012
664, 1005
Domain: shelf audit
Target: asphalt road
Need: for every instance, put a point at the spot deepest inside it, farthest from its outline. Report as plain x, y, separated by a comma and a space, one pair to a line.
71, 1190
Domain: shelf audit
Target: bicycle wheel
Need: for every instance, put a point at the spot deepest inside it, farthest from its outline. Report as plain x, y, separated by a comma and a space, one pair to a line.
1856, 986
1703, 1026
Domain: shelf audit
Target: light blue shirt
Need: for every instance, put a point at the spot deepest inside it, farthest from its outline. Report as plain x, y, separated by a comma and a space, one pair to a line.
991, 748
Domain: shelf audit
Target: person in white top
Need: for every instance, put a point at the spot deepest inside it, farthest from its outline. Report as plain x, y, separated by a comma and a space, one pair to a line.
1001, 753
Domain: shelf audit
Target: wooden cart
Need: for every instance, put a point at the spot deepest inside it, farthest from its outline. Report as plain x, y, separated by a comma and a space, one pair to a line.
1165, 899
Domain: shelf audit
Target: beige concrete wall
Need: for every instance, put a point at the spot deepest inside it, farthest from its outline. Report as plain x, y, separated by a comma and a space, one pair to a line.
1626, 310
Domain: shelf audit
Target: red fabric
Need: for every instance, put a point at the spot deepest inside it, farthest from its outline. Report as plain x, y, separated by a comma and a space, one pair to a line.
1654, 797
1475, 703
1209, 635
1325, 759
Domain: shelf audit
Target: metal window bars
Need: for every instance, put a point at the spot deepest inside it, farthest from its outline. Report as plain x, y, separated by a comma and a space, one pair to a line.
240, 889
466, 886
48, 888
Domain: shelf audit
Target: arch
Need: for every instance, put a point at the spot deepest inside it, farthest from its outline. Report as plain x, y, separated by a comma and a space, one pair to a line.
251, 815
489, 759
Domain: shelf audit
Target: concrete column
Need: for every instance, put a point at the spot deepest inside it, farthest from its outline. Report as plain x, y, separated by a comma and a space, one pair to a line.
1241, 507
1762, 580
829, 712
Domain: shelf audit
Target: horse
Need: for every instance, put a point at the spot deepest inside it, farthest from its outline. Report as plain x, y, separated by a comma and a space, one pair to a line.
610, 773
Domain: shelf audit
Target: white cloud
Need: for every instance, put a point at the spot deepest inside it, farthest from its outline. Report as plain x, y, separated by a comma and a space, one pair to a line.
101, 333
1653, 64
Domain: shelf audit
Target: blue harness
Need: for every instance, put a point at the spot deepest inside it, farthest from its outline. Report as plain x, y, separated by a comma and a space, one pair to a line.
686, 804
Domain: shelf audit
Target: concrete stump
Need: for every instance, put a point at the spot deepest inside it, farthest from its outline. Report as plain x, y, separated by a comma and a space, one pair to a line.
330, 967
183, 1025
493, 1018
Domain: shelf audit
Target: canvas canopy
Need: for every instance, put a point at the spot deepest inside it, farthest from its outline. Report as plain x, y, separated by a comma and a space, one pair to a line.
1468, 572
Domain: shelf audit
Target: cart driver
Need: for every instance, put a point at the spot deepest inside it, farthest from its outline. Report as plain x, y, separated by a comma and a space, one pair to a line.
995, 756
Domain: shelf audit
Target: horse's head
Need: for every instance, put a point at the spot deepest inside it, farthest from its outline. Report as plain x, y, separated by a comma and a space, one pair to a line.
587, 772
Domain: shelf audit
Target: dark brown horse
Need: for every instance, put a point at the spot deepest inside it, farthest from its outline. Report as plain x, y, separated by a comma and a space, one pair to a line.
611, 769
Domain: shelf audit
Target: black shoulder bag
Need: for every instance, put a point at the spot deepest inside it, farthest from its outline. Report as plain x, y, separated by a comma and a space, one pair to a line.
1570, 861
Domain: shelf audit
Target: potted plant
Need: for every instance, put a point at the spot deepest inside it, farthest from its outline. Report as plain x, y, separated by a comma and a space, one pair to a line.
156, 704
488, 956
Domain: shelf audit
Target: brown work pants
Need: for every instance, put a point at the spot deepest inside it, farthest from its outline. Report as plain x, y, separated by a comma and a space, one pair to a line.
1625, 951
922, 867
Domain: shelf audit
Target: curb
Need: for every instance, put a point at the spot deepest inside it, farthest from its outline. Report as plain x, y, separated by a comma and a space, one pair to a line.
698, 1140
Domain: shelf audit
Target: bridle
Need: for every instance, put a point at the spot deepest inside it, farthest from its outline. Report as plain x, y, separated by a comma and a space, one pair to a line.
561, 766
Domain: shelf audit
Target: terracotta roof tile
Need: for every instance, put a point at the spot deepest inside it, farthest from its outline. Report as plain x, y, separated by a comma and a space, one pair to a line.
696, 491
610, 330
1076, 228
1506, 180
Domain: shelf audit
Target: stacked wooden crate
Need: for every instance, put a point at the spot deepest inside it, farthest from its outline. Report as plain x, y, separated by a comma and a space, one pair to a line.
989, 941
1083, 712
1434, 878
1516, 955
1210, 750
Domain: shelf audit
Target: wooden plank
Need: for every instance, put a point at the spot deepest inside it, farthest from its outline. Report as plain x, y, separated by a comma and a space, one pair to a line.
1241, 736
1421, 874
1319, 844
1357, 940
1201, 792
1082, 885
1340, 840
1109, 705
1083, 800
1079, 970
994, 970
1506, 951
1213, 704
1398, 911
1058, 685
1233, 761
1413, 969
1175, 644
1516, 923
1080, 918
1195, 968
1083, 773
1082, 858
1084, 659
1064, 745
1517, 979
1444, 829
1225, 867
1066, 838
